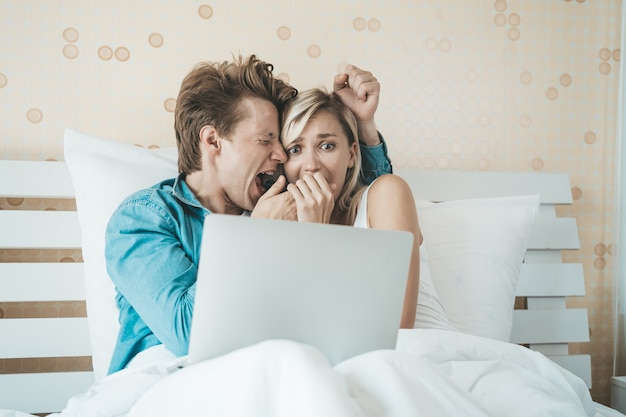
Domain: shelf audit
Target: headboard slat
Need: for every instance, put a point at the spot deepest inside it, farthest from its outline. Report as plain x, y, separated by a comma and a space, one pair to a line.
30, 179
23, 229
558, 233
42, 281
44, 337
541, 280
543, 256
53, 389
579, 365
553, 188
550, 326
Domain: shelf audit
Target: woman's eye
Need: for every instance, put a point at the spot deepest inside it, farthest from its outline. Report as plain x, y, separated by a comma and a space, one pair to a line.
327, 146
293, 150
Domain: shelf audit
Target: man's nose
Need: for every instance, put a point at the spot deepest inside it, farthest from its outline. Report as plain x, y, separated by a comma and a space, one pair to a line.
278, 154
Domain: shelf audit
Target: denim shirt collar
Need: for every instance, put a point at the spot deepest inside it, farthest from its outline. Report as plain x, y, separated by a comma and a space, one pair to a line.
182, 192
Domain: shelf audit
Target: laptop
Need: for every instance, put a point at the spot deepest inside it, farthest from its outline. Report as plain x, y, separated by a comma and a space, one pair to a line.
337, 288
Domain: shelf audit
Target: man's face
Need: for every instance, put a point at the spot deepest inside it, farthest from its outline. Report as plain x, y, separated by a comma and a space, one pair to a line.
252, 151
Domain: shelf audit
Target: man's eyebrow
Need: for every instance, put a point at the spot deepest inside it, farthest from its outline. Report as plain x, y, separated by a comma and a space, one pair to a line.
266, 135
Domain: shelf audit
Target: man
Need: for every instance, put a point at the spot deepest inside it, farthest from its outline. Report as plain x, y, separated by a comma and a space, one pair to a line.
227, 123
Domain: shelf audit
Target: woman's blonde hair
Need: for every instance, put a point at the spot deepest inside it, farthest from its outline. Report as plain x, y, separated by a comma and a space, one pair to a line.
297, 114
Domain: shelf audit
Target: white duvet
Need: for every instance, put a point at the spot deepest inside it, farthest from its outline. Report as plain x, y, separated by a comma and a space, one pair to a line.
432, 373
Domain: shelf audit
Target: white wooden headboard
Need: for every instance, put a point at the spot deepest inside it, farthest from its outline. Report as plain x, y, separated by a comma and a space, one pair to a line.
547, 325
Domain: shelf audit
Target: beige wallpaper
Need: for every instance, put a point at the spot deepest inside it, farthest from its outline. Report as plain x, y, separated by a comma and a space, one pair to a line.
502, 85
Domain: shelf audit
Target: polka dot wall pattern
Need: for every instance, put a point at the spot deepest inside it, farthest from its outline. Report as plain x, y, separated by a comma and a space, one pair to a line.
155, 40
34, 115
70, 50
106, 53
510, 21
466, 85
205, 11
314, 51
360, 24
284, 33
606, 56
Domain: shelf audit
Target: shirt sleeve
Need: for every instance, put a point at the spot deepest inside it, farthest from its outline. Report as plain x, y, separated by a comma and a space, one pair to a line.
152, 271
374, 161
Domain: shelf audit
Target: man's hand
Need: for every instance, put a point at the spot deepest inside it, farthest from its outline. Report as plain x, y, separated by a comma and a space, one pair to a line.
314, 198
276, 204
359, 90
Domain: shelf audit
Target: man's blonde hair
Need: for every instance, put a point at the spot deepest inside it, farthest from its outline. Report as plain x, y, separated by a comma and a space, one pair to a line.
212, 94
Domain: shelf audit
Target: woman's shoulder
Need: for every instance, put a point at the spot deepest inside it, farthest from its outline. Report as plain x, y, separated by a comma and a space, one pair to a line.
390, 193
389, 184
391, 205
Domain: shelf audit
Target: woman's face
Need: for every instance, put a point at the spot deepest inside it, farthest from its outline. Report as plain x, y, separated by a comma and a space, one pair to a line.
322, 147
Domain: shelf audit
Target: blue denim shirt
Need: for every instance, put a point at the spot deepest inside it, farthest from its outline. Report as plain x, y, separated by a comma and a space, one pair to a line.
152, 250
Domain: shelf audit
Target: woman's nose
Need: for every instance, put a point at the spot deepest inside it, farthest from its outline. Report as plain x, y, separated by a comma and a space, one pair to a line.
311, 163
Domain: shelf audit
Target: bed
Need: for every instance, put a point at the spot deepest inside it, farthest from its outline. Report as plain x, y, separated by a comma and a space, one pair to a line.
494, 241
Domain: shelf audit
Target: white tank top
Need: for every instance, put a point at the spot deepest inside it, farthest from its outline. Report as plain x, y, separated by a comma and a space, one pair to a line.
430, 312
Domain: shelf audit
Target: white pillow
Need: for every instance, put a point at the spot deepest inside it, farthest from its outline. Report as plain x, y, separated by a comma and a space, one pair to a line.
475, 252
104, 173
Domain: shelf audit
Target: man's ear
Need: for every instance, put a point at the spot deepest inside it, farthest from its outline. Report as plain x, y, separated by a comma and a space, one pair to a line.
209, 139
352, 159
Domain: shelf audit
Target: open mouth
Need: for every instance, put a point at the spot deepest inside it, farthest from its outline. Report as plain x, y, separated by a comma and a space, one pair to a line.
264, 181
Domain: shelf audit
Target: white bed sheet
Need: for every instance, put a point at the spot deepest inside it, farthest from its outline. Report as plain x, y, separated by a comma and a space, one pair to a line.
432, 373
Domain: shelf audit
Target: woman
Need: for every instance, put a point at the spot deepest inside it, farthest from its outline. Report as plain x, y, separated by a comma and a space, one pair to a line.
320, 137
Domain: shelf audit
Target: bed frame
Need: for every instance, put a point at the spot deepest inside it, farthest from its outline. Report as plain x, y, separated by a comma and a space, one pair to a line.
546, 325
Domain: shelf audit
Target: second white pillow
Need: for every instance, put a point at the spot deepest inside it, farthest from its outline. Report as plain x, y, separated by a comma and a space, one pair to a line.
475, 252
